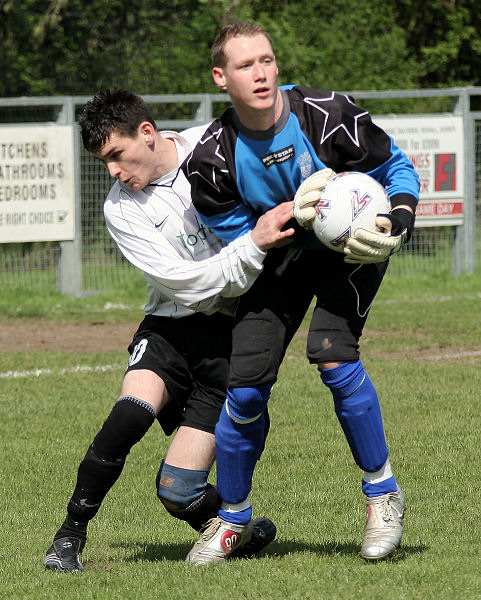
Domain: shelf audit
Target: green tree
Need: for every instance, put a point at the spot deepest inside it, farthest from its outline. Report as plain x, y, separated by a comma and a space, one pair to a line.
57, 47
444, 40
342, 45
19, 64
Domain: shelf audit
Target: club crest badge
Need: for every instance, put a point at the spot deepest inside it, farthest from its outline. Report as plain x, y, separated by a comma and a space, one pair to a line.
305, 163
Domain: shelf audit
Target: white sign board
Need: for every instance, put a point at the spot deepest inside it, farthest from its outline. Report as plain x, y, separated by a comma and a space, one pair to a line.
434, 144
37, 187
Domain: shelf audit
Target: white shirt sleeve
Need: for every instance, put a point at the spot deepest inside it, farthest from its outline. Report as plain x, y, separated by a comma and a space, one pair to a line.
179, 271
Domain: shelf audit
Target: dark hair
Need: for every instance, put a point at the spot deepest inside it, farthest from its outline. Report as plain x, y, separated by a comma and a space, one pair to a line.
109, 111
229, 31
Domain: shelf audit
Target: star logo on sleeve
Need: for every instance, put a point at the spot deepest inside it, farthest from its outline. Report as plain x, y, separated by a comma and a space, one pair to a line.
339, 113
210, 179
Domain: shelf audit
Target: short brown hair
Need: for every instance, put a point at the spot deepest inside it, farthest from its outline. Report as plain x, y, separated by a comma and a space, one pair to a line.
119, 111
229, 31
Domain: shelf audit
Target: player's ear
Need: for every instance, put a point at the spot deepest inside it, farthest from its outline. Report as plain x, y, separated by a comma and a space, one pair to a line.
218, 76
147, 131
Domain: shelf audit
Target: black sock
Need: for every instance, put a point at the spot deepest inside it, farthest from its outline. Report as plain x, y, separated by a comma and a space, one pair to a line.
103, 463
72, 528
94, 479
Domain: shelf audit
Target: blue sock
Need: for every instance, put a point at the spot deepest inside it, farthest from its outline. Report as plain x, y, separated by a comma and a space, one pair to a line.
379, 483
239, 436
379, 489
357, 408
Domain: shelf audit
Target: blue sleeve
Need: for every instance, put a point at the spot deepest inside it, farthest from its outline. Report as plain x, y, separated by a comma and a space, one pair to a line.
233, 224
397, 174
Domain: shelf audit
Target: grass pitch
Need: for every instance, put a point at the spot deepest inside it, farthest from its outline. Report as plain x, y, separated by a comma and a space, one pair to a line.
422, 349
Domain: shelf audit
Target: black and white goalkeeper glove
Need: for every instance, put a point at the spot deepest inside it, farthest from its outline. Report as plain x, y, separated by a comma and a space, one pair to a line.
308, 195
393, 230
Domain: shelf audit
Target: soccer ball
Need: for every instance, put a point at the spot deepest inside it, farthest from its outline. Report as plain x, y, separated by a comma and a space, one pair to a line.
349, 200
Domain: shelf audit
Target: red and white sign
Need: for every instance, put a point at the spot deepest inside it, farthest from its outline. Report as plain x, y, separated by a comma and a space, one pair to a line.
435, 146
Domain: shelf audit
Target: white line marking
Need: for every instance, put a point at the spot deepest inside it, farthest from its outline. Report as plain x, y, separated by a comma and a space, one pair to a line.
76, 369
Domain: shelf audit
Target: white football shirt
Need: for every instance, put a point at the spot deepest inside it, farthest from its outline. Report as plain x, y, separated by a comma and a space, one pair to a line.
187, 268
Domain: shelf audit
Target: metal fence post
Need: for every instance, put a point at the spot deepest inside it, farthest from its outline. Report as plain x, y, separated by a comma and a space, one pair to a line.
464, 251
69, 269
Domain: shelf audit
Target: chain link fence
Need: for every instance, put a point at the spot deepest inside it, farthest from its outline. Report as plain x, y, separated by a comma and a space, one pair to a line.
35, 265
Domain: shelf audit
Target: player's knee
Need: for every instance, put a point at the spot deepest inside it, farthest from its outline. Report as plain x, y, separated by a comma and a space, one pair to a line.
328, 365
178, 488
198, 513
344, 379
186, 495
353, 392
245, 403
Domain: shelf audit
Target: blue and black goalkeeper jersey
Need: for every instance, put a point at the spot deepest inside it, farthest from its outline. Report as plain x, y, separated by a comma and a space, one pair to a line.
237, 174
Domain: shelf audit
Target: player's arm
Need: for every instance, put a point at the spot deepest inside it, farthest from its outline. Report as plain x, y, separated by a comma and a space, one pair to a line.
371, 150
229, 273
355, 143
210, 170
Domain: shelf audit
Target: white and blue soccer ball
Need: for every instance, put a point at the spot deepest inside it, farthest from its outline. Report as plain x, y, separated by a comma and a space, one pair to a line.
350, 200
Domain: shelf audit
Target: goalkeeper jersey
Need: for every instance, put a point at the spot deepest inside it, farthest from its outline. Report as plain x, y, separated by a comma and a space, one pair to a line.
237, 174
188, 269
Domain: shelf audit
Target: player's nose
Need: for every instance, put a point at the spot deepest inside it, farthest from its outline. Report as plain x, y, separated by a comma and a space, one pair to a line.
259, 73
114, 169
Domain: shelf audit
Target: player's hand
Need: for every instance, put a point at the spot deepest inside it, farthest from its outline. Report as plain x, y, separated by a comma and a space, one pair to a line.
269, 232
308, 195
393, 230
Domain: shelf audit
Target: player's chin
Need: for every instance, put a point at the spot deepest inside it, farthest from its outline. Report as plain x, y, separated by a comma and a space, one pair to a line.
263, 100
135, 185
265, 104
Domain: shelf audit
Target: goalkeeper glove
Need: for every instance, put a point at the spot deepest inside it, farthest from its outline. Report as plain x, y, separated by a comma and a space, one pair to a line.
308, 195
393, 231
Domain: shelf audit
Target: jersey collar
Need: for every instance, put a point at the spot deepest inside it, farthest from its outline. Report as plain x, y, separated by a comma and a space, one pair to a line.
272, 131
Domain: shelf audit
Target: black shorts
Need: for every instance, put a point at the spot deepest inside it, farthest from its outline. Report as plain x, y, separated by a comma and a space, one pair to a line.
269, 314
191, 355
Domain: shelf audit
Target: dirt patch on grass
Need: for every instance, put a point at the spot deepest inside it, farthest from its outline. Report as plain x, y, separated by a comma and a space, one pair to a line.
433, 353
99, 336
35, 336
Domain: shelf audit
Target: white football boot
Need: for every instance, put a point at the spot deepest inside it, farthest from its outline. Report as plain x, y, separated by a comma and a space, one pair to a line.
218, 541
384, 525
